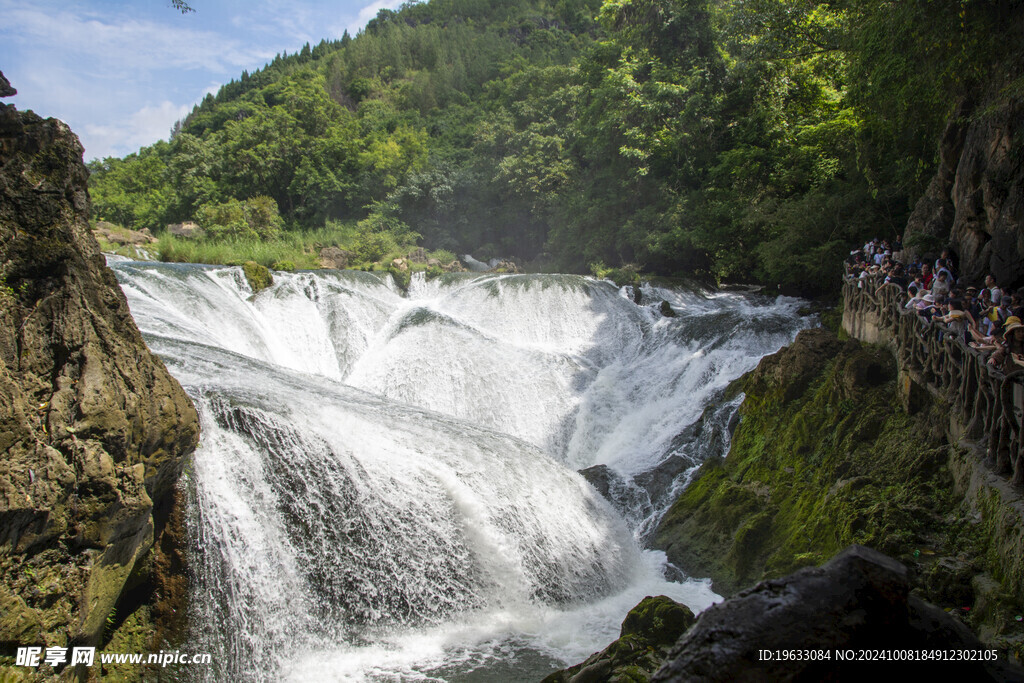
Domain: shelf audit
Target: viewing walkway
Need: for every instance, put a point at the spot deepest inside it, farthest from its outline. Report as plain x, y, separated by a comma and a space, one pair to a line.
986, 406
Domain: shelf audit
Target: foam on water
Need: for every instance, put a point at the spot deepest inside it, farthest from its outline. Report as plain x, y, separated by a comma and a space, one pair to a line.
386, 486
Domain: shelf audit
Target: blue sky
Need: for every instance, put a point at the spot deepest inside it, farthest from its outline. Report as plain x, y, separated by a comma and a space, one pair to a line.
121, 72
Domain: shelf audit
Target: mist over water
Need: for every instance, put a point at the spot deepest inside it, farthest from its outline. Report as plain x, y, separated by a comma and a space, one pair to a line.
387, 485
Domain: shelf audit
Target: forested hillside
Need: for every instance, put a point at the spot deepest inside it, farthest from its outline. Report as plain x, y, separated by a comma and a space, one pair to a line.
736, 139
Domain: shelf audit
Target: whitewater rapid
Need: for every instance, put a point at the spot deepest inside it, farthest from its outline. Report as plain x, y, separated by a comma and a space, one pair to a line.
387, 484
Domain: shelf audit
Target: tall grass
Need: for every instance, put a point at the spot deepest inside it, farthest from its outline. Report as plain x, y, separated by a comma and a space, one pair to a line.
292, 250
270, 253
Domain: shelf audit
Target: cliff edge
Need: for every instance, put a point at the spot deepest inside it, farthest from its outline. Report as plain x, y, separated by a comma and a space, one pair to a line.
93, 430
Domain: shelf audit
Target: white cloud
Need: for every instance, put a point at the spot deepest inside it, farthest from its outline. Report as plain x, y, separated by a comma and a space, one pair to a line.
114, 73
140, 129
122, 46
370, 11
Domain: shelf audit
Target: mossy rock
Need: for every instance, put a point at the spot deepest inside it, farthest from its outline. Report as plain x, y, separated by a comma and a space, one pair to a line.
648, 633
401, 277
259, 276
659, 620
823, 457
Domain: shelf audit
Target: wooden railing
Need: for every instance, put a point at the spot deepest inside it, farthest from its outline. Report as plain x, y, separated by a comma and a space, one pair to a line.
989, 403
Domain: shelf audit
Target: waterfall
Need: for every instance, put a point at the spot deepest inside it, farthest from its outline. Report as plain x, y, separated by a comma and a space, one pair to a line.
387, 484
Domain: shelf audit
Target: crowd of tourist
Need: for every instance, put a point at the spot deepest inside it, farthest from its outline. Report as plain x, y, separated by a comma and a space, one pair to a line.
986, 316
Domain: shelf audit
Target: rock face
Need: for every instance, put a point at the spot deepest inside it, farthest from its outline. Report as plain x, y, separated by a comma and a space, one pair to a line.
6, 90
93, 430
975, 202
822, 458
647, 633
858, 600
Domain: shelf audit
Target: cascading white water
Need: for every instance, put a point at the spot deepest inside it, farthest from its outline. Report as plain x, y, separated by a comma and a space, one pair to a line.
386, 485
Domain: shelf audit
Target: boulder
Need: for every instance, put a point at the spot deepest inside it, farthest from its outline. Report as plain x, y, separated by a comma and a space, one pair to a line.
118, 235
93, 430
188, 229
333, 257
258, 276
505, 266
858, 602
647, 633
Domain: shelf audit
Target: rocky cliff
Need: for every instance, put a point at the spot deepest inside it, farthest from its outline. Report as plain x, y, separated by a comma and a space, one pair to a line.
975, 202
825, 456
93, 430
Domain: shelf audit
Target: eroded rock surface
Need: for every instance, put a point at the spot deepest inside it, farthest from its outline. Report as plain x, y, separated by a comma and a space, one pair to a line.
93, 430
975, 202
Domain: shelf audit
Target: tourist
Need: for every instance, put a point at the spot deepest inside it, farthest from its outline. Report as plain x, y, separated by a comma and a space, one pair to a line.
927, 276
942, 284
994, 291
916, 296
1009, 356
959, 321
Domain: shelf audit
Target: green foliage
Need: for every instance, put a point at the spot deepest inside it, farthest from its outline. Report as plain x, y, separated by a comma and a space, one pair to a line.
735, 139
252, 218
442, 255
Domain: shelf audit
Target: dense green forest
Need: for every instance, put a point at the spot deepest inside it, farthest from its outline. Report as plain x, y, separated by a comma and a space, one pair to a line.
744, 140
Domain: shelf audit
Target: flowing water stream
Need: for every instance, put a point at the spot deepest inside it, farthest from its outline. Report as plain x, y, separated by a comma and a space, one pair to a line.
387, 485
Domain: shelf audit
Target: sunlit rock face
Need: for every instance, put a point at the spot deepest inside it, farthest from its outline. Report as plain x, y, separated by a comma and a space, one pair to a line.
93, 430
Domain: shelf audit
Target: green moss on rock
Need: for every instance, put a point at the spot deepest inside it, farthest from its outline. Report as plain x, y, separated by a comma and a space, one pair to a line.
648, 632
823, 457
259, 277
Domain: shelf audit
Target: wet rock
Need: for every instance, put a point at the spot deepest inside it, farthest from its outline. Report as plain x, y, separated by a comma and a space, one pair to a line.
647, 633
259, 277
600, 477
792, 368
505, 266
859, 600
666, 309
